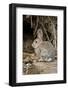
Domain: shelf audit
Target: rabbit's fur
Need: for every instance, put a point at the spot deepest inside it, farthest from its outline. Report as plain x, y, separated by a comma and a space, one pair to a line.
44, 50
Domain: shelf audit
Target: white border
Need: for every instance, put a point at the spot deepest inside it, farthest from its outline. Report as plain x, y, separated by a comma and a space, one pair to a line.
19, 34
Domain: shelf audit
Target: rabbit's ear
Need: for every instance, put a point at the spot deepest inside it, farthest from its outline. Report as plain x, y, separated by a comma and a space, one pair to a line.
40, 37
40, 33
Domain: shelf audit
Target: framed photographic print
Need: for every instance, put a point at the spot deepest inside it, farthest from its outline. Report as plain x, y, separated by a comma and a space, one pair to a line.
37, 44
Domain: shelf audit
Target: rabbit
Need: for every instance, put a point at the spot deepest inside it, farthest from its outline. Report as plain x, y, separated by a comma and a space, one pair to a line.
44, 50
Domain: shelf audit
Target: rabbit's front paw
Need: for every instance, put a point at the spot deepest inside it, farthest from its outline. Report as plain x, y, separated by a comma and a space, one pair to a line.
40, 60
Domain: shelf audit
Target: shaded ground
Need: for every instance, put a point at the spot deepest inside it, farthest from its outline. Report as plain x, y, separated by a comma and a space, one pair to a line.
33, 66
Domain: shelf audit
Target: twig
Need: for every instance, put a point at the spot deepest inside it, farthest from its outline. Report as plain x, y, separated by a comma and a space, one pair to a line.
45, 31
36, 26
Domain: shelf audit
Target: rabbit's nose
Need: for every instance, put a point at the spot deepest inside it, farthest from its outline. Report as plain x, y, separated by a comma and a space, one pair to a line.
32, 45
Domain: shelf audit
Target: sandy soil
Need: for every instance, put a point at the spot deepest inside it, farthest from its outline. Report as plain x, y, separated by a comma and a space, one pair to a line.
36, 67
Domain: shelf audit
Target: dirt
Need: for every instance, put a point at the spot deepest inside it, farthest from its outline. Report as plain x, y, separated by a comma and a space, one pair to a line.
36, 67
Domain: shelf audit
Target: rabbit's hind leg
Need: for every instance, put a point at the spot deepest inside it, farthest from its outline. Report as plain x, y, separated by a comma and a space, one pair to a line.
49, 59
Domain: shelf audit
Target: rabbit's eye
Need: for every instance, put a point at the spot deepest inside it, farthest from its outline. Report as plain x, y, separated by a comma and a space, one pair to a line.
36, 41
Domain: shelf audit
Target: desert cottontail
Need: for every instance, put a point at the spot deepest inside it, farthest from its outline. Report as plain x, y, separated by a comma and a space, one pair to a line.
44, 50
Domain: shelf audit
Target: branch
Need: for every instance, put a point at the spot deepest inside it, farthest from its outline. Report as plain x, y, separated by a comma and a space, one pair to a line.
36, 26
54, 33
45, 31
31, 22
